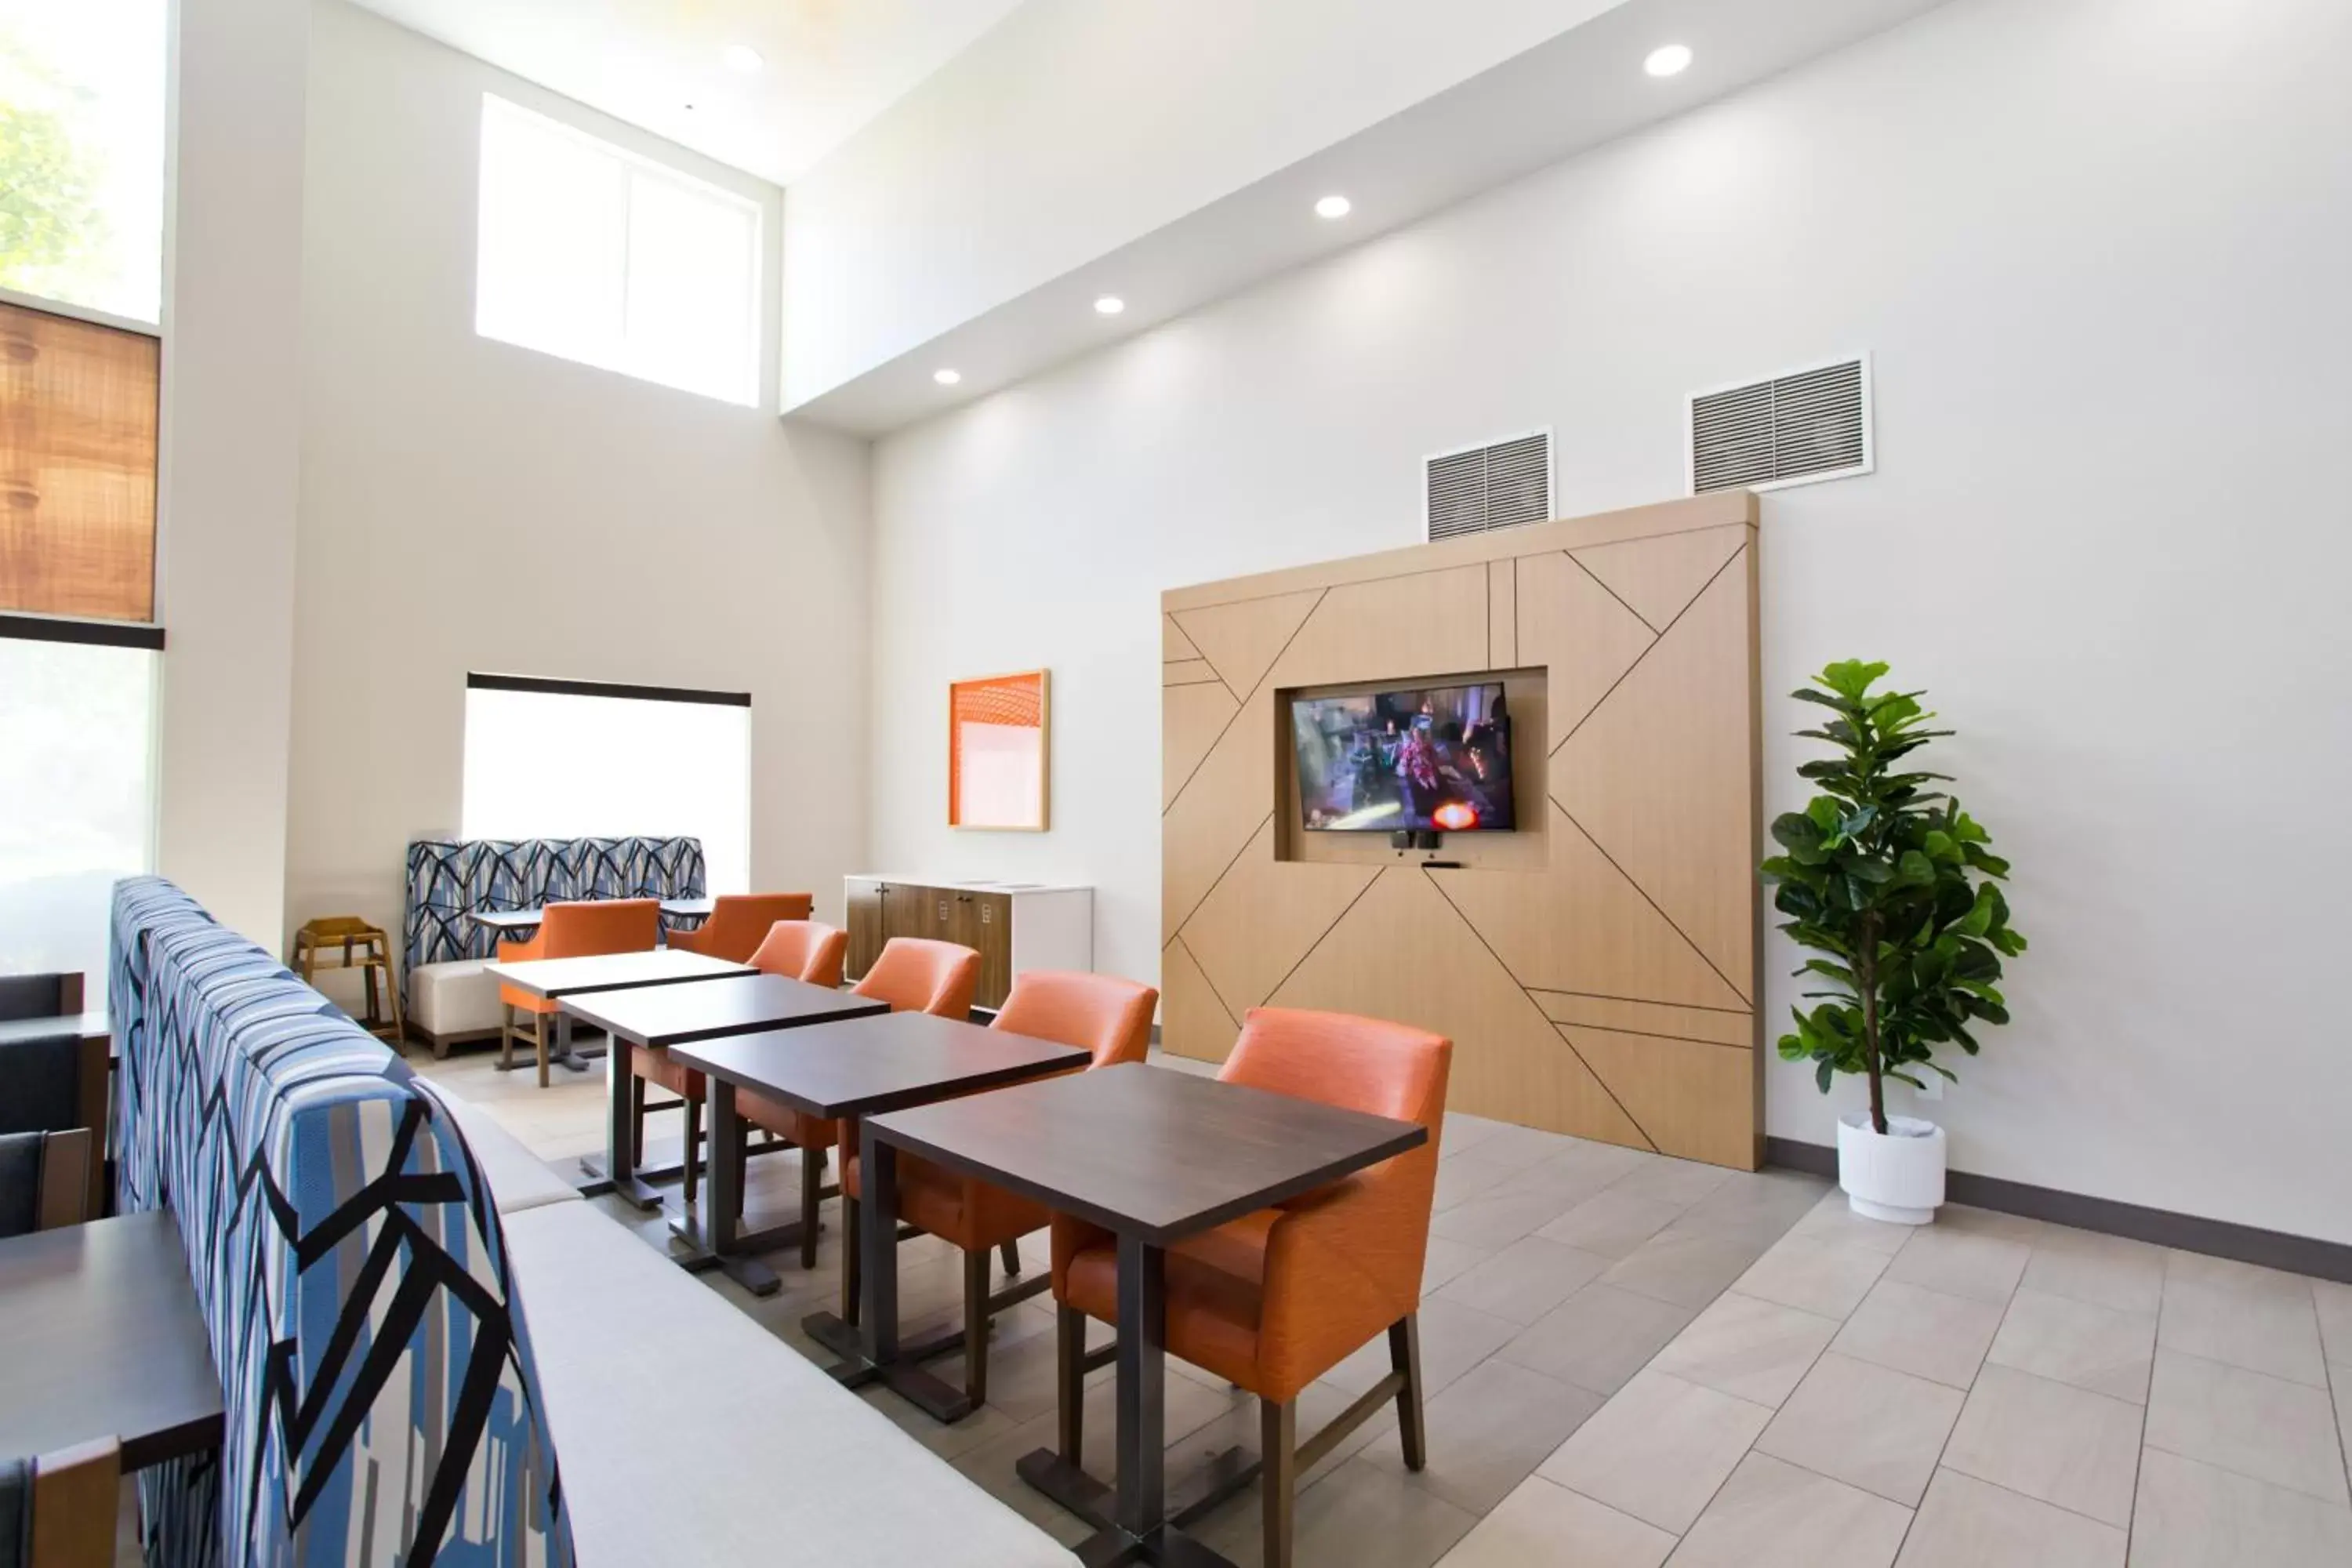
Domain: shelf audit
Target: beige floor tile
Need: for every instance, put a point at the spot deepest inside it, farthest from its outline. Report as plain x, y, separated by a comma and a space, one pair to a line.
2334, 1302
1659, 1450
1495, 1219
2340, 1378
2267, 1428
1827, 1278
2247, 1317
1921, 1331
1542, 1525
2063, 1446
1753, 1349
1681, 1183
1464, 1132
2191, 1515
1959, 1261
1454, 1339
1444, 1262
1774, 1515
1576, 1173
1355, 1515
1470, 1176
1689, 1268
1760, 1205
2109, 1271
1834, 1220
1611, 1224
1521, 1147
2074, 1342
1598, 1338
1967, 1523
1870, 1427
1526, 1279
1487, 1432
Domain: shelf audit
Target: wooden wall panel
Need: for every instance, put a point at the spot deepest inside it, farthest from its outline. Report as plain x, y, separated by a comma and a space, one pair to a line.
1599, 984
78, 432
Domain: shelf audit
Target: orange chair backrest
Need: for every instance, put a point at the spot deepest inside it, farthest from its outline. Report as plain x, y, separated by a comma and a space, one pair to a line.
916, 975
739, 922
1107, 1015
802, 950
601, 926
1363, 1064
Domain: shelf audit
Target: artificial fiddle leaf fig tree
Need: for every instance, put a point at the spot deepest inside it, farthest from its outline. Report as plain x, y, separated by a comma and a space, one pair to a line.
1895, 888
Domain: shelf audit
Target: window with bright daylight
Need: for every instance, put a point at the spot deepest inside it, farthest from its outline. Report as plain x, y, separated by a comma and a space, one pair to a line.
82, 96
595, 255
562, 760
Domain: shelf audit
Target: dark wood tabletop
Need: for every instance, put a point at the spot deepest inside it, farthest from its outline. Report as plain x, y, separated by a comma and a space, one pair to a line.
864, 1066
1149, 1151
104, 1340
676, 1015
653, 966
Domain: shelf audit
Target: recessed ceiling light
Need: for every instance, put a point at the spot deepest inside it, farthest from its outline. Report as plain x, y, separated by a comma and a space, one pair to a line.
1670, 60
947, 377
744, 58
1109, 305
1334, 207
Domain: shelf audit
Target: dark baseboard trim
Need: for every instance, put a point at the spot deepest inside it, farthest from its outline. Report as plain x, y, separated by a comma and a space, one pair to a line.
2190, 1233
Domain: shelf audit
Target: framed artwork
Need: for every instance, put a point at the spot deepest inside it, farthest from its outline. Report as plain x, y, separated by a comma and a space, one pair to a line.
998, 752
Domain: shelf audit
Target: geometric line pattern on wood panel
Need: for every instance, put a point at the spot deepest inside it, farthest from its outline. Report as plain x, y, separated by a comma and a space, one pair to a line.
1657, 578
1233, 1013
1691, 1097
1241, 640
1585, 925
1571, 625
1403, 627
1195, 1022
1695, 950
1508, 1059
1736, 556
1190, 720
1659, 776
1243, 704
1173, 644
1190, 672
1264, 916
1720, 1027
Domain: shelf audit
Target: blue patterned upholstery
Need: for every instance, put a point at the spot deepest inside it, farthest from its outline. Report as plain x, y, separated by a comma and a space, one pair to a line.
447, 877
382, 1404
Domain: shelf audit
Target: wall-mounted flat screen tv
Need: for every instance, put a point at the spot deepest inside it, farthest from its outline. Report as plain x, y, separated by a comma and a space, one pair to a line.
1435, 758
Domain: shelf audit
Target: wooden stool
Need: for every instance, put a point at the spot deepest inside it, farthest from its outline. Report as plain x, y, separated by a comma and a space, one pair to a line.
365, 947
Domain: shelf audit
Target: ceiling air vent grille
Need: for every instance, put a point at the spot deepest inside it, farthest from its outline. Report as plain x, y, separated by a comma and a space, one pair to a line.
1500, 485
1808, 424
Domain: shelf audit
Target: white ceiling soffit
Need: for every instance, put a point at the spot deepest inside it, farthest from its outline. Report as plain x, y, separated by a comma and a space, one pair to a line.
1577, 91
827, 67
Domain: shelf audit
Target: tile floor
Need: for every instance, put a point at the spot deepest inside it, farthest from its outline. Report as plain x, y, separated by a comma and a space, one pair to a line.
1632, 1359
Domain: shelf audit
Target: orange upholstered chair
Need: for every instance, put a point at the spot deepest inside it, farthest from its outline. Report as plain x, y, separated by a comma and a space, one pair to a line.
1109, 1017
804, 951
915, 974
739, 922
570, 931
1274, 1300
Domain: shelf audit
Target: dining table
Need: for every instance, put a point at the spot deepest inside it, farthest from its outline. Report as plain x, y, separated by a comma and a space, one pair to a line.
662, 1018
1152, 1155
850, 1068
554, 979
104, 1338
517, 924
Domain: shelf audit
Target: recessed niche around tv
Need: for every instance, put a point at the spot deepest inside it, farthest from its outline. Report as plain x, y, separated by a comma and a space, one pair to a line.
1459, 755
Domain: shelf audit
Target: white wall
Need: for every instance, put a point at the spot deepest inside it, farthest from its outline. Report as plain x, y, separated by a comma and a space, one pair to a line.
470, 505
1072, 127
2097, 248
231, 453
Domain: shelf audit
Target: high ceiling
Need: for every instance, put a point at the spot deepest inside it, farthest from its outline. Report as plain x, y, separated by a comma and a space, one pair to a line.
829, 65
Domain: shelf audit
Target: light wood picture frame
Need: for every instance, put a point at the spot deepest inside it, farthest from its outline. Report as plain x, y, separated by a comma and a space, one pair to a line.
1000, 753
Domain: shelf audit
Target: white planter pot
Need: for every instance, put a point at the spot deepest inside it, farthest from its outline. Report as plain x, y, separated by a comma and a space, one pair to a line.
1897, 1176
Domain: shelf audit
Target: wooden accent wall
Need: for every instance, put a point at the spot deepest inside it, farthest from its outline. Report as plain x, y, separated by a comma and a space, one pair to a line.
78, 434
1600, 979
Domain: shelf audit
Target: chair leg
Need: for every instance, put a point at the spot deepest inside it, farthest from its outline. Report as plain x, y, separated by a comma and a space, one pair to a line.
812, 1182
1277, 1437
1011, 1251
850, 1250
693, 1145
539, 1039
1070, 1379
975, 1325
1404, 1357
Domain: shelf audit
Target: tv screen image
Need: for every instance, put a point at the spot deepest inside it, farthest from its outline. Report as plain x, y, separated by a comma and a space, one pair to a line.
1436, 758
